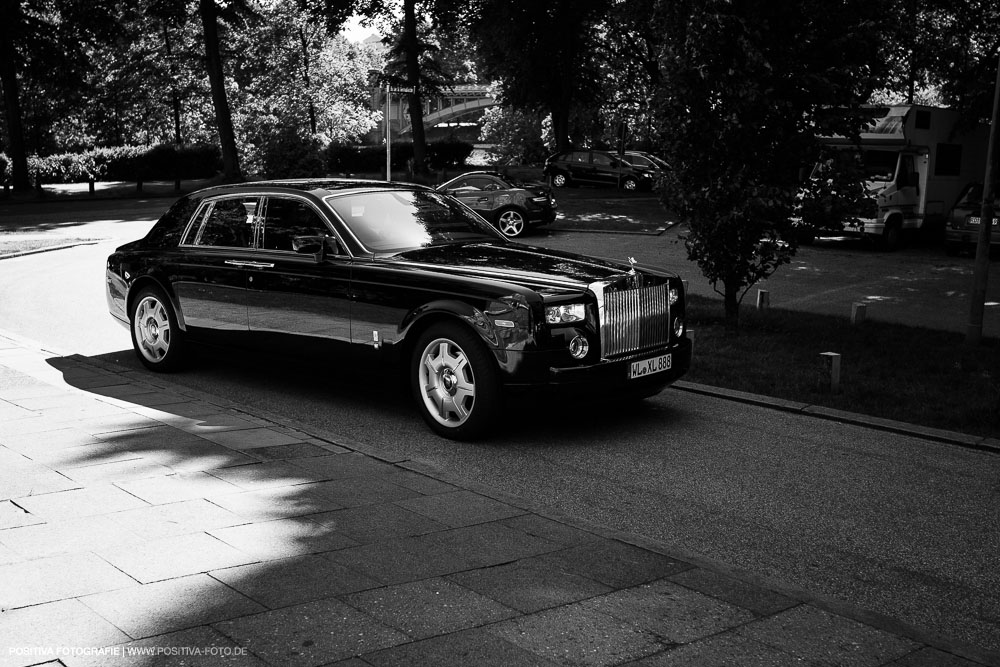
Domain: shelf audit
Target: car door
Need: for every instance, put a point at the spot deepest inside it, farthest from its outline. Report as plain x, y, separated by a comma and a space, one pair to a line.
579, 166
293, 293
478, 193
211, 272
606, 169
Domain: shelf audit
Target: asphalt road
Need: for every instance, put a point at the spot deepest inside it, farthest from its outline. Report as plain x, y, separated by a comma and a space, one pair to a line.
898, 525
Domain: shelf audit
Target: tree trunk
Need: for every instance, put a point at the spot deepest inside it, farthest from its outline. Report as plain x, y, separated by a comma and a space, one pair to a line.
560, 127
732, 301
303, 40
175, 99
411, 50
11, 95
223, 118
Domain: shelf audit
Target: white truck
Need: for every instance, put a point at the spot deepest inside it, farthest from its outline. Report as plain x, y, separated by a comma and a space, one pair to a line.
917, 160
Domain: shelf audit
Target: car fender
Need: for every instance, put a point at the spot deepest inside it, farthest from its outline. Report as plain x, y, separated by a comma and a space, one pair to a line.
159, 281
504, 325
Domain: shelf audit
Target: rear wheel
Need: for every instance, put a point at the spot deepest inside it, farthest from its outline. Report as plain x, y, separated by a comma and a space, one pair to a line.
156, 337
454, 382
511, 222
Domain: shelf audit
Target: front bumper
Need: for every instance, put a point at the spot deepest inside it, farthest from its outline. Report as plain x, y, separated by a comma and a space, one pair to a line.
968, 236
604, 377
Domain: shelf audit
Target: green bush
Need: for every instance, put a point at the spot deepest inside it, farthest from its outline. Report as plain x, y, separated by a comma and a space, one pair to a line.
124, 163
169, 161
286, 154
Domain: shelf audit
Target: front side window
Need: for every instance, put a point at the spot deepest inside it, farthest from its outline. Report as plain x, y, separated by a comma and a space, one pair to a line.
398, 220
229, 223
285, 219
602, 160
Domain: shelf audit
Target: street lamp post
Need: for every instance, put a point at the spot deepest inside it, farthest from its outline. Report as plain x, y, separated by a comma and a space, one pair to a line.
974, 331
388, 133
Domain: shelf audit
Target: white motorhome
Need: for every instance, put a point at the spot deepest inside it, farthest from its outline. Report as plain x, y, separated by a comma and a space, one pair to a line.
917, 161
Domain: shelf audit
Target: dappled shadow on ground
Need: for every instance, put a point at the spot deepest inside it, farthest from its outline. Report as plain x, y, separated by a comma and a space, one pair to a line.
184, 525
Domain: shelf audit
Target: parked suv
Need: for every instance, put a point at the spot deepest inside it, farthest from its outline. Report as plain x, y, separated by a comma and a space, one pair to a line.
597, 168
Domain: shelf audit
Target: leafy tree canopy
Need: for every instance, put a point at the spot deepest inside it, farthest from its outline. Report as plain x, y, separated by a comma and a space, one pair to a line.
746, 87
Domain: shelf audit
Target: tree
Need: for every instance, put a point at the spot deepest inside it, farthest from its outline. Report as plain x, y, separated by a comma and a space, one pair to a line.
297, 88
544, 54
44, 41
746, 89
209, 13
416, 63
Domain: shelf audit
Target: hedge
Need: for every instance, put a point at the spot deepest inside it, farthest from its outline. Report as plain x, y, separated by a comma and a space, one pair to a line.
126, 163
371, 159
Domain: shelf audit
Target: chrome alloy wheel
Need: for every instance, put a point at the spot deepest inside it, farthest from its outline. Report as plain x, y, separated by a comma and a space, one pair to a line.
448, 387
152, 329
511, 223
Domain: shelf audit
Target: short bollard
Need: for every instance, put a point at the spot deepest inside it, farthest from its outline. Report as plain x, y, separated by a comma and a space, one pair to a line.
829, 372
763, 300
690, 335
858, 313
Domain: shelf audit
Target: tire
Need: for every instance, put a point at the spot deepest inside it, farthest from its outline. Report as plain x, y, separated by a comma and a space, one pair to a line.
511, 222
892, 237
629, 183
560, 180
454, 382
156, 337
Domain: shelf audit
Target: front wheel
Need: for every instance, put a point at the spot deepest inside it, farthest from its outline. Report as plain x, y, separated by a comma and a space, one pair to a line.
454, 382
630, 183
156, 337
560, 180
511, 222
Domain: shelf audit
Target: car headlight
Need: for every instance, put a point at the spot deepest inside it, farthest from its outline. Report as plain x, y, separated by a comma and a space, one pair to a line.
574, 312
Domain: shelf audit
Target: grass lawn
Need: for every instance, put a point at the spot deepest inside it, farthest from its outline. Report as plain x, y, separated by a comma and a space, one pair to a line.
909, 374
14, 243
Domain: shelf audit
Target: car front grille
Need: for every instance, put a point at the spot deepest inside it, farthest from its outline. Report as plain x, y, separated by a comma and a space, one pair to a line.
633, 319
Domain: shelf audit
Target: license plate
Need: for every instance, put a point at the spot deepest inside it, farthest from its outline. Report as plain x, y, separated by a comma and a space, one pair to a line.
646, 367
975, 220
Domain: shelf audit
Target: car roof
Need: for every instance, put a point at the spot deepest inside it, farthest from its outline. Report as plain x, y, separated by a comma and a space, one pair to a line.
329, 185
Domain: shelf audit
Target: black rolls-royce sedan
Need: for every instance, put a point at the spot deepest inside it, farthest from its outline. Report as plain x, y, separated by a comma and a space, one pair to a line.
409, 272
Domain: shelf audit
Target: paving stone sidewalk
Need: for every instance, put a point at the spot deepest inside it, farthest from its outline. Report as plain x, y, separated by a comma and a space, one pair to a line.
144, 524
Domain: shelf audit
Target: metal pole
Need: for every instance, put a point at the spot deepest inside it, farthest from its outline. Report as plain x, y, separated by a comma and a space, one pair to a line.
388, 134
980, 274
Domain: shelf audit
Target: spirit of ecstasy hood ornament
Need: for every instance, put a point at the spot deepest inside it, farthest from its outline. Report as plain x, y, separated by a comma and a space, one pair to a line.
634, 277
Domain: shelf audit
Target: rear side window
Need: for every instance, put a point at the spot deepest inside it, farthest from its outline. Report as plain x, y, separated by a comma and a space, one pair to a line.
170, 227
228, 223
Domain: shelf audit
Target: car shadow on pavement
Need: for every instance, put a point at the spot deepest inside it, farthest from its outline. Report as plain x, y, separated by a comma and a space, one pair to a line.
174, 522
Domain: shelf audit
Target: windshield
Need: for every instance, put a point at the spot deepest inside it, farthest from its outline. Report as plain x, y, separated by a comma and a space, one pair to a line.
880, 165
397, 220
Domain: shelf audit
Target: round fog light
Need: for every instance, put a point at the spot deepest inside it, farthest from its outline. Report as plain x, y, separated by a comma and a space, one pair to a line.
678, 327
578, 347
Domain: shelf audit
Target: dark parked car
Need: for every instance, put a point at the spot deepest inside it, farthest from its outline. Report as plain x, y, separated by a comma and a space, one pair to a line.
405, 271
511, 207
646, 160
597, 168
962, 230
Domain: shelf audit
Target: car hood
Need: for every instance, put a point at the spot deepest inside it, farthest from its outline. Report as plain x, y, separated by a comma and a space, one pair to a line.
528, 266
